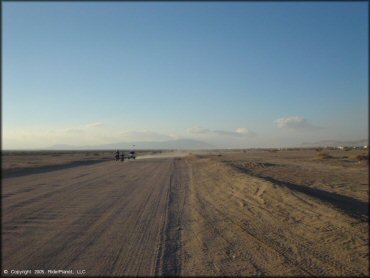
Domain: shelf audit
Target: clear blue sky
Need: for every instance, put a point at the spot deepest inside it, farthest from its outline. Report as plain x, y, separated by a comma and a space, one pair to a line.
230, 74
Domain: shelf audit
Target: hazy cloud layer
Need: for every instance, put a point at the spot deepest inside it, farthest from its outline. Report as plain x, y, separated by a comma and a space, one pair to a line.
97, 124
79, 130
144, 135
88, 134
239, 132
242, 130
294, 122
198, 130
228, 133
73, 130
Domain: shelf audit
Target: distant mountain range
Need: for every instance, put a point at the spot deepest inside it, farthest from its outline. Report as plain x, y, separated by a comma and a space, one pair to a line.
180, 144
334, 143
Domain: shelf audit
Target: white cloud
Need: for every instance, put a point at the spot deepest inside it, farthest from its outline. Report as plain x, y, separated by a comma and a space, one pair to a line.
96, 124
197, 130
174, 136
294, 122
242, 130
239, 132
228, 133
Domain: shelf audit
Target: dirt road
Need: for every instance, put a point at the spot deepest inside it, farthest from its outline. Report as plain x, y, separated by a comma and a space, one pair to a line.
108, 219
180, 216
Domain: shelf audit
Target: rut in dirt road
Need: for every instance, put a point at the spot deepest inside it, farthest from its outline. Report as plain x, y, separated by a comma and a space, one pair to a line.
171, 235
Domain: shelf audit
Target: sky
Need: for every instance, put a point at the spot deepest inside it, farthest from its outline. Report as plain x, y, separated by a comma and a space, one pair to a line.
234, 75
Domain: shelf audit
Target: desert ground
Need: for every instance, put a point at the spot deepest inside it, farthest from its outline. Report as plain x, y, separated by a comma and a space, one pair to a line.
195, 213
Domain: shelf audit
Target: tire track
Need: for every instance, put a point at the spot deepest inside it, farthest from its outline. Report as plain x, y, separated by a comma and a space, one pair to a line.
171, 252
258, 226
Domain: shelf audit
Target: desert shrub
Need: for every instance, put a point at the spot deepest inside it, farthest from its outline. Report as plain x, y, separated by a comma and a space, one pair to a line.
96, 154
318, 149
322, 155
362, 157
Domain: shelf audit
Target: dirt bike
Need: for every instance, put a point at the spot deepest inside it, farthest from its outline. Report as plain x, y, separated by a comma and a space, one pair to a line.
131, 155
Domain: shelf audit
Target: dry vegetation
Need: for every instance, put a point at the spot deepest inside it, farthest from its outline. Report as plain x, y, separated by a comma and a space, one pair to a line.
324, 155
362, 157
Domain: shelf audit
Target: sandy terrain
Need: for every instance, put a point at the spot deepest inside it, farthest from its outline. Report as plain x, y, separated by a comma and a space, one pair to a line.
251, 221
220, 213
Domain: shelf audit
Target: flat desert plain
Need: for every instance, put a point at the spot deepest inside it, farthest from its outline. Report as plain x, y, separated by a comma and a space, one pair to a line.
238, 213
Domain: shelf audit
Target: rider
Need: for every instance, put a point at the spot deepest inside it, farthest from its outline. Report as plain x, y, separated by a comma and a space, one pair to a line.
117, 155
